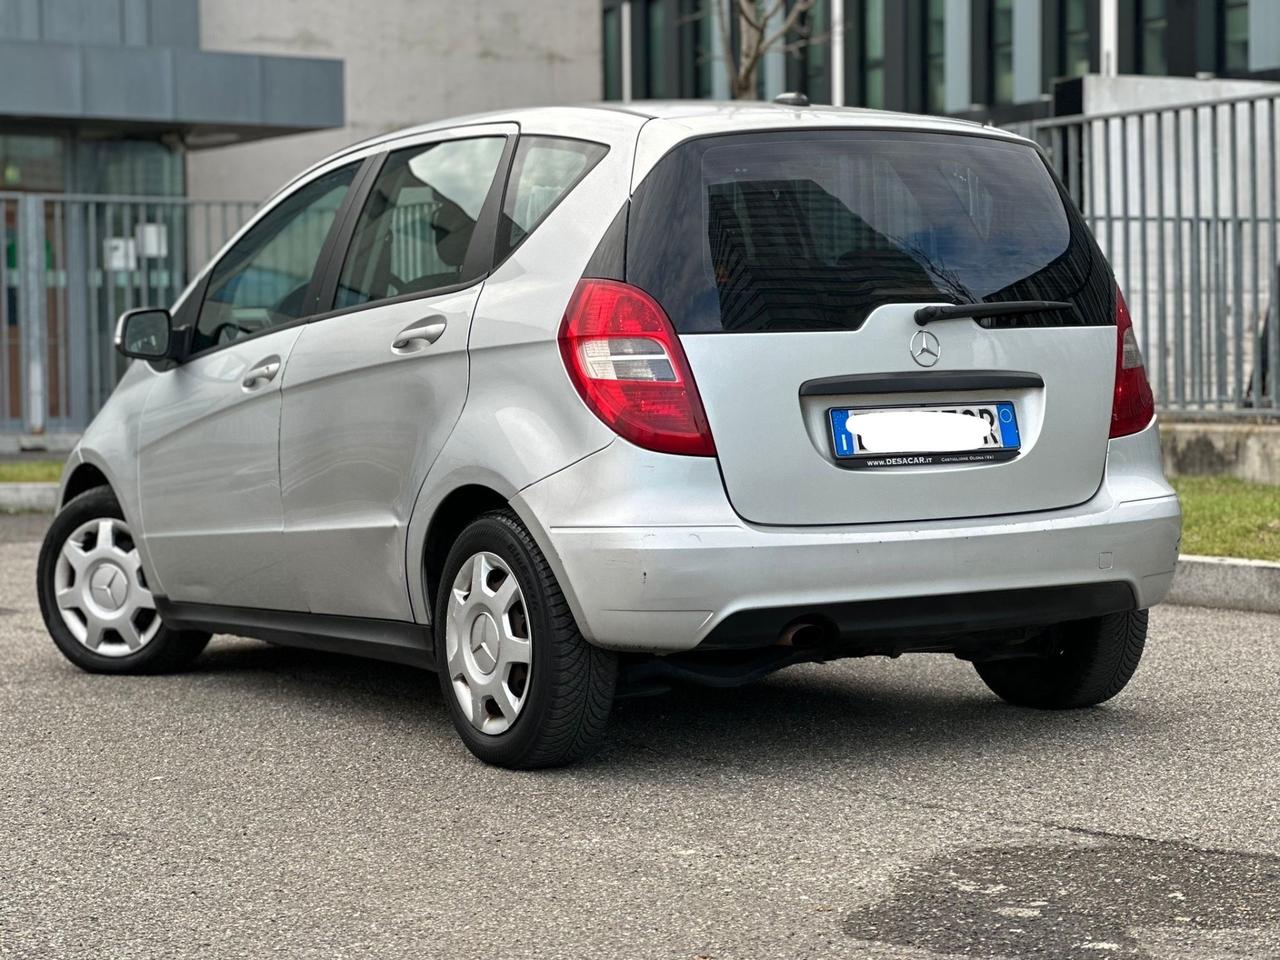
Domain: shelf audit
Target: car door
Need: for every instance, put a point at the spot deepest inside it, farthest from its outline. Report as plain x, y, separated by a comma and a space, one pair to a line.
372, 391
208, 445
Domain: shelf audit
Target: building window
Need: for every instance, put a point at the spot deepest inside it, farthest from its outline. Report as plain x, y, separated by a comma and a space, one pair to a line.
612, 45
677, 42
701, 22
35, 163
807, 69
873, 53
1002, 51
935, 54
1074, 33
656, 49
1152, 26
1235, 36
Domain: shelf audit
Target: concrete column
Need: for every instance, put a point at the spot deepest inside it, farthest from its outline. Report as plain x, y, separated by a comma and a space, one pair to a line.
1026, 51
79, 329
837, 53
1109, 37
956, 67
32, 311
1264, 35
719, 11
625, 34
775, 61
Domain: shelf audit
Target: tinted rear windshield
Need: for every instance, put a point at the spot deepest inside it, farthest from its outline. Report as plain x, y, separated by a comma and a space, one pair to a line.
771, 232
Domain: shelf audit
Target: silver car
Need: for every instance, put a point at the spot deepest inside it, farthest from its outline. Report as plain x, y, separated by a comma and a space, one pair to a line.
568, 402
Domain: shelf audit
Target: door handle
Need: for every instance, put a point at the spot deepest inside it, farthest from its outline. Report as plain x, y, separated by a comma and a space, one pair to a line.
422, 333
262, 372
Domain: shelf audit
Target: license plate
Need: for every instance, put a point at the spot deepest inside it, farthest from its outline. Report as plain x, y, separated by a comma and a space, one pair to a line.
921, 435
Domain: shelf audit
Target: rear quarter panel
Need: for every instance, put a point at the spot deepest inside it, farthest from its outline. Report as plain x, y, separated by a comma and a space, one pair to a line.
523, 420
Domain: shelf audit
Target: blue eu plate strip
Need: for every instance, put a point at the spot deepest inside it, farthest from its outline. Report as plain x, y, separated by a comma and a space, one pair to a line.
840, 435
1008, 425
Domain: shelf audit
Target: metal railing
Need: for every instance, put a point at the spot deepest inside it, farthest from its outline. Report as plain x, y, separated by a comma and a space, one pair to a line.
69, 265
1183, 201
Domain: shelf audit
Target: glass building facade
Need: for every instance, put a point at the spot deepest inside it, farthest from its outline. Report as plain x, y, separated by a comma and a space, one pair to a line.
100, 103
988, 59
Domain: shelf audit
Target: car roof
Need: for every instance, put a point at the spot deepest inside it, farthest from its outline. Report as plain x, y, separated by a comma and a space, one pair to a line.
671, 121
746, 114
756, 113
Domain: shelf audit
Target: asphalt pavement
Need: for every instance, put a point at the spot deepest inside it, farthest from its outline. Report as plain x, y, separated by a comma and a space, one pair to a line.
282, 803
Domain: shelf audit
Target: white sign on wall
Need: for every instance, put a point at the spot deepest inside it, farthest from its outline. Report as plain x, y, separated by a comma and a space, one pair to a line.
150, 241
119, 254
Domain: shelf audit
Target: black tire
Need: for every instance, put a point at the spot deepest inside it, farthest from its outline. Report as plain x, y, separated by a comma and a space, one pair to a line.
571, 683
168, 650
1091, 662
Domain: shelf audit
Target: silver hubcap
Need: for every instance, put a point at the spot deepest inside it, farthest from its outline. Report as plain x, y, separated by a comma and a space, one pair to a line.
101, 592
487, 643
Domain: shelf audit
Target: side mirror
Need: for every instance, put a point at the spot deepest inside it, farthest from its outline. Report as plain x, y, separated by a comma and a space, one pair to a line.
145, 334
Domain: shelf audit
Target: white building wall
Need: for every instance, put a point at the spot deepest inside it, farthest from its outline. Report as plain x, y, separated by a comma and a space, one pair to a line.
407, 62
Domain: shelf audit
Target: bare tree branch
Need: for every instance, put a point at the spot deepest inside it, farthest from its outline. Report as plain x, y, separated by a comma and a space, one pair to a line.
747, 11
773, 11
725, 39
753, 18
801, 6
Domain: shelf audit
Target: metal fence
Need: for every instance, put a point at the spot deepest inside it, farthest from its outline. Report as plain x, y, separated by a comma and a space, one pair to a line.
1183, 200
70, 265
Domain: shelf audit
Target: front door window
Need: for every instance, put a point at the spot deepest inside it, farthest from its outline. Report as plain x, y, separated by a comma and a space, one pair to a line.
264, 279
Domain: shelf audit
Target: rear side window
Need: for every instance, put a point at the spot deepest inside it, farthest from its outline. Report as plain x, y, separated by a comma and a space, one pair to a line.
416, 227
767, 233
544, 171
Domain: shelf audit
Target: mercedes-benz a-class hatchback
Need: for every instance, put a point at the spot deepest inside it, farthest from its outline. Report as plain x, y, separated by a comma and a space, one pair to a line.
571, 402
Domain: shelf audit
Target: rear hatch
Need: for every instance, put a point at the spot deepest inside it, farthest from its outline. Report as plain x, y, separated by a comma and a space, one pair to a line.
793, 267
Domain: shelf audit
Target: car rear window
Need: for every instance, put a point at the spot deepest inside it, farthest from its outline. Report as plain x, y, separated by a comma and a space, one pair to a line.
766, 232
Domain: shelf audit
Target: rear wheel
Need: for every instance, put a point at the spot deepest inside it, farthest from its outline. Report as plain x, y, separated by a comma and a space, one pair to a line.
95, 598
1090, 661
524, 688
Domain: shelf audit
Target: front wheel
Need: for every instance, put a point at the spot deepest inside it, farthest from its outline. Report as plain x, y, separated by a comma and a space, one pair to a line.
95, 598
1089, 661
524, 688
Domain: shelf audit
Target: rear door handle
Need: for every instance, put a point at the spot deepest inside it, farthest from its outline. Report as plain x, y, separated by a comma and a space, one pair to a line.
419, 334
263, 372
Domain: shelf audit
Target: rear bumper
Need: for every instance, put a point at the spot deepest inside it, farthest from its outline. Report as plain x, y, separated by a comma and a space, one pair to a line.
696, 573
922, 623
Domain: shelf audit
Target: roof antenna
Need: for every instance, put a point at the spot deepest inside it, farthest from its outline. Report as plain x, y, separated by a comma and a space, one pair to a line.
792, 99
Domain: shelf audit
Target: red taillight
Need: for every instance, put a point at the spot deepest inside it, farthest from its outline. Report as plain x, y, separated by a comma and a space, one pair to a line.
1132, 405
625, 360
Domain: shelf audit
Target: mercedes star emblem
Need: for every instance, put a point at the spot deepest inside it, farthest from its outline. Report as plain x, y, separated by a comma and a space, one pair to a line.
925, 348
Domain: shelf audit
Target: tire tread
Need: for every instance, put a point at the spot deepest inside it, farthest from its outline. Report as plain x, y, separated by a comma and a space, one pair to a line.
168, 651
1096, 662
584, 677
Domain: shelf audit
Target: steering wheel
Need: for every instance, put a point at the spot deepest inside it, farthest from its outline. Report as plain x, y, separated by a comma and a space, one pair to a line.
394, 281
224, 327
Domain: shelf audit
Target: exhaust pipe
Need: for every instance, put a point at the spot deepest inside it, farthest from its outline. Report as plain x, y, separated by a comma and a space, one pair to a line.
803, 634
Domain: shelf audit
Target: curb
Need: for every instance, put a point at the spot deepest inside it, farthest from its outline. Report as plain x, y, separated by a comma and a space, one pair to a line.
1226, 583
25, 497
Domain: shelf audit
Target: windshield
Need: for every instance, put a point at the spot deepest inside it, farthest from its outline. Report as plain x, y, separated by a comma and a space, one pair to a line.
767, 232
